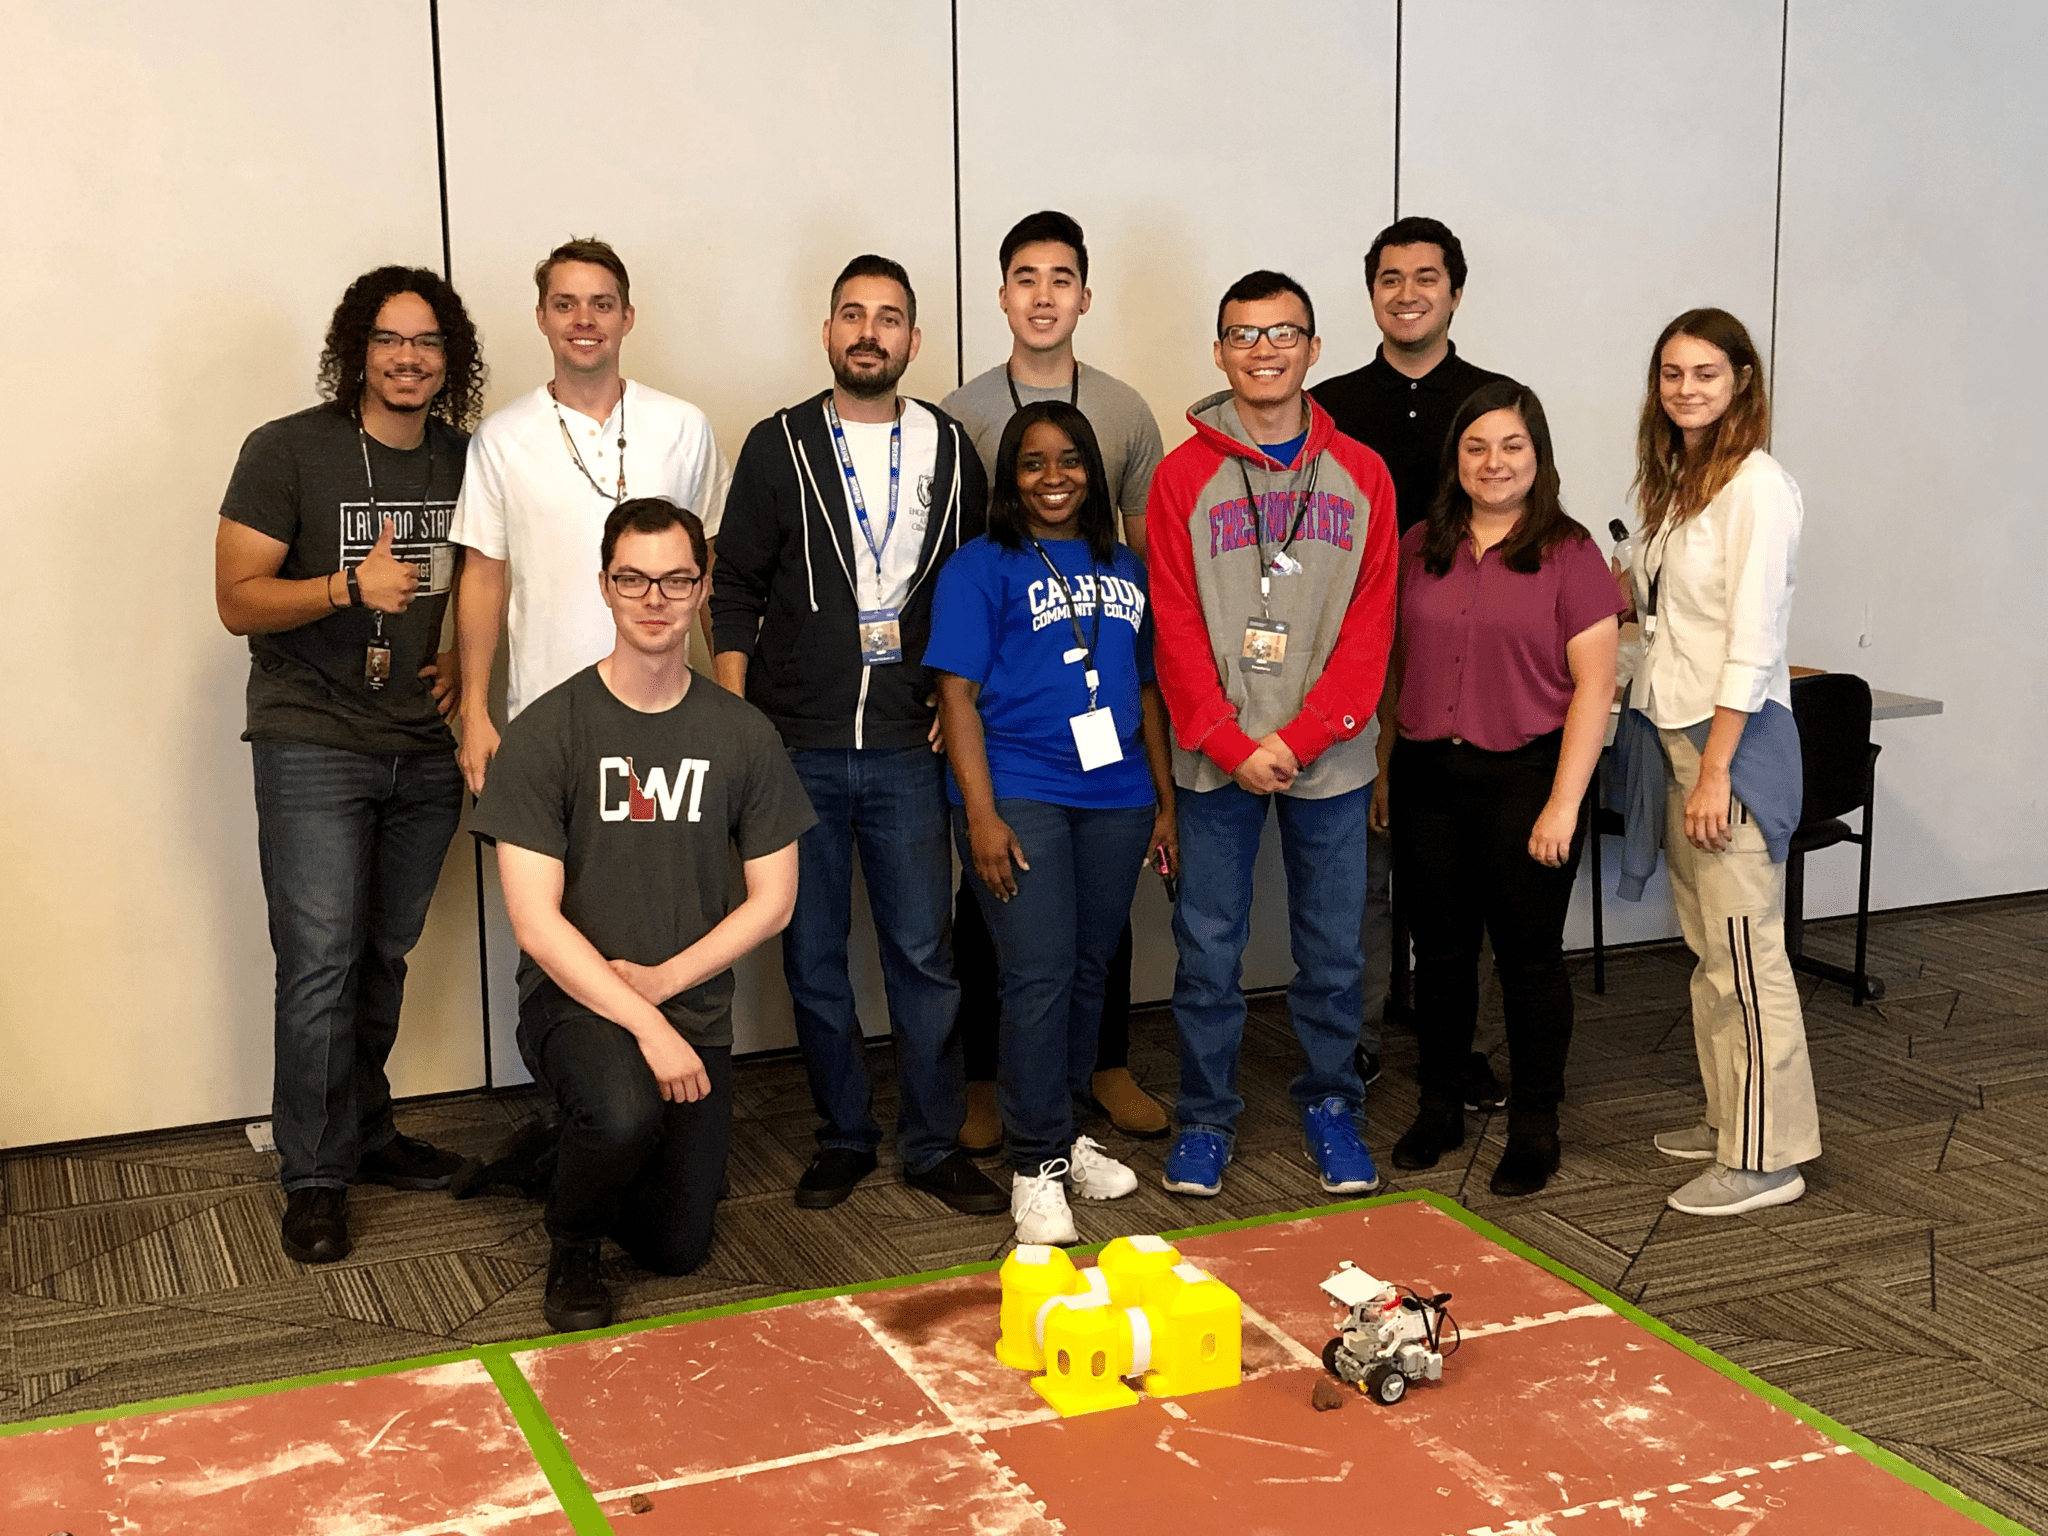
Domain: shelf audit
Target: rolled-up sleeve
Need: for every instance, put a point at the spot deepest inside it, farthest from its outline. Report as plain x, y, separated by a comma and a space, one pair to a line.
1759, 554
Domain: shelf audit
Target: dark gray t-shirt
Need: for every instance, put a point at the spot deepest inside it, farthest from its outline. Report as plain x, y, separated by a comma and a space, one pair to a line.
300, 480
640, 808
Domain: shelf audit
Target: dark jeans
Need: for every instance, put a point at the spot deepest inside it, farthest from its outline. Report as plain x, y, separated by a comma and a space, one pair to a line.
892, 805
351, 846
1054, 940
1461, 819
1323, 847
632, 1166
981, 1002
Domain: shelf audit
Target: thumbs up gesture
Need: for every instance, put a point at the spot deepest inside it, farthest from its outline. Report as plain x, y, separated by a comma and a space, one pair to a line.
386, 581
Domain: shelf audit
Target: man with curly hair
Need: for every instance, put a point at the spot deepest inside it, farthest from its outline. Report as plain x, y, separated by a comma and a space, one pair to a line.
332, 555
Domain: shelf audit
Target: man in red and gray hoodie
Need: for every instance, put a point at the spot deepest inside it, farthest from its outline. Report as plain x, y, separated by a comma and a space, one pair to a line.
1273, 557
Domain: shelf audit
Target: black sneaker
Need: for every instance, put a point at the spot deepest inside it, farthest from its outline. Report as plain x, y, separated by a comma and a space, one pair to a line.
1368, 1064
1482, 1089
831, 1177
961, 1185
524, 1165
1526, 1165
1437, 1130
316, 1225
404, 1162
577, 1297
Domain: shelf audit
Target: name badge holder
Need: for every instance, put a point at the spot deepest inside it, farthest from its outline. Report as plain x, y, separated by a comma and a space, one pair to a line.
1095, 734
1264, 650
881, 629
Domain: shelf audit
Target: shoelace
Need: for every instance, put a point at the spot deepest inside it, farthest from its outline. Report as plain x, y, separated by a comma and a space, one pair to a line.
1088, 1156
1045, 1184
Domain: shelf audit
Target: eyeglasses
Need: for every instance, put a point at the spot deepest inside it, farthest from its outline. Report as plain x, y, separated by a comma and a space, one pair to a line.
433, 343
1242, 338
635, 583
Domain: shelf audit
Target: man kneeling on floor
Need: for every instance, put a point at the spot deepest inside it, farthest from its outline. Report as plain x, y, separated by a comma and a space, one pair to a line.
612, 801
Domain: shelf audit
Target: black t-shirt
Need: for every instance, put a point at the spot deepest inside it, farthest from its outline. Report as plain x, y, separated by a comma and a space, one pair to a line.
640, 808
300, 480
1403, 420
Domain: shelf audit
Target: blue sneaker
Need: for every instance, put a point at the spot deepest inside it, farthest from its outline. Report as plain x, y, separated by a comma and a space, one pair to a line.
1195, 1165
1337, 1150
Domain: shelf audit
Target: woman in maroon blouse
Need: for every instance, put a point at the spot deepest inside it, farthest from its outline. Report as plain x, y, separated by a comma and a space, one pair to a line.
1502, 677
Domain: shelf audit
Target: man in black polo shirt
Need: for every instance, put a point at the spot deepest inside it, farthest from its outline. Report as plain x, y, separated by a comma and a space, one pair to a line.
1400, 405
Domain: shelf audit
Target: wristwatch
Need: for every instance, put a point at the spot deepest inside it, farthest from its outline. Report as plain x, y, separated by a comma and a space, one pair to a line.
355, 591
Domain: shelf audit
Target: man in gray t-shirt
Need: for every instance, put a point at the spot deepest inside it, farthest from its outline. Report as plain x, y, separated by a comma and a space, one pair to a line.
1044, 294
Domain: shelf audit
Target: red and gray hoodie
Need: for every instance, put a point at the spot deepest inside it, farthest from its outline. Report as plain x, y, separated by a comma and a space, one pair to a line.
1339, 607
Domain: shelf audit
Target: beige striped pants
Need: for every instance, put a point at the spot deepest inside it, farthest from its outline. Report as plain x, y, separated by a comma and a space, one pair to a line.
1746, 1021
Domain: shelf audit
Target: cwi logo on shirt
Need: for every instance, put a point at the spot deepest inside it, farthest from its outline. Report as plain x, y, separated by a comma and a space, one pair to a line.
640, 801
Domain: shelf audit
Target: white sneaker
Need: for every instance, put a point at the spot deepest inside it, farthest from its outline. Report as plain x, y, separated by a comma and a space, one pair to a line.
1696, 1143
1095, 1175
1038, 1204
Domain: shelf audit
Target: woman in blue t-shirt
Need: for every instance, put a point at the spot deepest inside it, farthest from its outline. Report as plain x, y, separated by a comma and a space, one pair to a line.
1060, 781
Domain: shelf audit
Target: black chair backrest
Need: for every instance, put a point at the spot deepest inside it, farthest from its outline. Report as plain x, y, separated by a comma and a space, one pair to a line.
1832, 710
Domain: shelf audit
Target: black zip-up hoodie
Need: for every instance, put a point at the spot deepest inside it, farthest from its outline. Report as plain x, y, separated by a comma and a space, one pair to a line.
782, 590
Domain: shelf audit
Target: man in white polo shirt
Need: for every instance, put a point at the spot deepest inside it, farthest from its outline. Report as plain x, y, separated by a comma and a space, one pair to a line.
543, 475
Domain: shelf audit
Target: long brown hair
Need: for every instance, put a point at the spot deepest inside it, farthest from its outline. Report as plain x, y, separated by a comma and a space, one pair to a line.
1670, 482
1544, 524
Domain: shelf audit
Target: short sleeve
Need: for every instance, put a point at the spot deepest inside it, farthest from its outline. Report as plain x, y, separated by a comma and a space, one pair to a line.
774, 811
1141, 461
263, 492
709, 476
526, 795
1586, 592
479, 521
964, 616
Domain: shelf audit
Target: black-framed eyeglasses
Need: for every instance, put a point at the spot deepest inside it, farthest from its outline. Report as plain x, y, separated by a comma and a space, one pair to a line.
435, 342
635, 583
1242, 338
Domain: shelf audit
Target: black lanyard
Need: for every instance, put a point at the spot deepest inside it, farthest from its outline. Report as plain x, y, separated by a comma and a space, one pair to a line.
370, 480
1086, 647
1073, 390
1306, 499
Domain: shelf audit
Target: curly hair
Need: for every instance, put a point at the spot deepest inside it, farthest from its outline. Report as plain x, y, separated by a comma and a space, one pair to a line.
345, 357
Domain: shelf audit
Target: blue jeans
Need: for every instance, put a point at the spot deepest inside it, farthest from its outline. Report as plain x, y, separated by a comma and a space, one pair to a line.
892, 805
351, 845
632, 1167
1377, 937
1322, 843
1054, 940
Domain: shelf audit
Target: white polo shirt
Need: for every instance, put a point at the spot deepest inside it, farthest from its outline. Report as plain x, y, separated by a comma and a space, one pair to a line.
525, 501
1724, 601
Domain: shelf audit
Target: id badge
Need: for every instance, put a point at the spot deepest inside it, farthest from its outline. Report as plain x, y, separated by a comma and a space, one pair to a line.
1095, 739
881, 636
1265, 646
377, 664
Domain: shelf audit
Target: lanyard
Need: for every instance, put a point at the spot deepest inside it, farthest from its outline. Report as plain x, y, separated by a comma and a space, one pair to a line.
576, 453
370, 480
1304, 499
1073, 390
1085, 647
1662, 546
860, 505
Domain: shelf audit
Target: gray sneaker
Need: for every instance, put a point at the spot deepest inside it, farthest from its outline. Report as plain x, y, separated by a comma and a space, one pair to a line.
1696, 1143
1725, 1191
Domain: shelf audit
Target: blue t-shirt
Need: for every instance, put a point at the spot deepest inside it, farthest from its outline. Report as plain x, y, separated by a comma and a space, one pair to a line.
1284, 453
999, 619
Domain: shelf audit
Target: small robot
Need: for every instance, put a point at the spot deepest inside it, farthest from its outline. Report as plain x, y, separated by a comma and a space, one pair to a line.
1392, 1334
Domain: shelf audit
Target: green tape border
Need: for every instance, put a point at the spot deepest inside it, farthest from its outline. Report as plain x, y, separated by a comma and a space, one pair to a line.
580, 1504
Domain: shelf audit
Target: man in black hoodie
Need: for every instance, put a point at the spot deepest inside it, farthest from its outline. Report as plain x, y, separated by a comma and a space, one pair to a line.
841, 512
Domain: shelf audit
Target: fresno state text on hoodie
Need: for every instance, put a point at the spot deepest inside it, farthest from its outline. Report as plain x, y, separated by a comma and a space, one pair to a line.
1339, 606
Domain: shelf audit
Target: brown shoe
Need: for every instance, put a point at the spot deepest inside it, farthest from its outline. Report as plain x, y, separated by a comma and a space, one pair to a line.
982, 1132
1130, 1108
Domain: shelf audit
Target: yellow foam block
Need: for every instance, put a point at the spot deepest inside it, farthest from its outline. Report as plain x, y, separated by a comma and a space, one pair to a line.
1088, 1350
1197, 1332
1032, 1275
1128, 1262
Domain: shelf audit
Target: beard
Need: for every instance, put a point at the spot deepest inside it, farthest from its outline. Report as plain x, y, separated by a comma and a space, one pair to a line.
868, 386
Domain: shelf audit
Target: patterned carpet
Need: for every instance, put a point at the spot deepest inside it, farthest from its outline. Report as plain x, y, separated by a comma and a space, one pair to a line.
1906, 1295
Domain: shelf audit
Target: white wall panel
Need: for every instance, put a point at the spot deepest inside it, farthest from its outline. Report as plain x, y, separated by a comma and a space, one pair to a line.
1195, 142
1909, 358
188, 190
1607, 165
737, 157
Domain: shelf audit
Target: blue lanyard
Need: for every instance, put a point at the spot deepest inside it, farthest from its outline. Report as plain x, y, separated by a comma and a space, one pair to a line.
860, 505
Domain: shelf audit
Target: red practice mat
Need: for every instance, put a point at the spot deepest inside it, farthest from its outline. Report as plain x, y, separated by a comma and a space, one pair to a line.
886, 1411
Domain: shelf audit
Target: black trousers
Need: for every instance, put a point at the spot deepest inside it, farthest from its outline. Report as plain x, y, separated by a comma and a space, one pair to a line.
981, 1004
632, 1167
1461, 819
